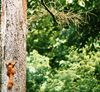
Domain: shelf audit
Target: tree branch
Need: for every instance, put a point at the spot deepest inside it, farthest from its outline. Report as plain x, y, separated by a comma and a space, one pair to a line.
54, 19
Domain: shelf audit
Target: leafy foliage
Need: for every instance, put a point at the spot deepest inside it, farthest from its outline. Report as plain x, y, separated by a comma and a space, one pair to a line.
80, 72
63, 57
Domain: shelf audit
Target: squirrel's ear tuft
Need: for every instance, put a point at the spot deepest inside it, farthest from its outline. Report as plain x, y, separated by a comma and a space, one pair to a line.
6, 65
10, 63
14, 63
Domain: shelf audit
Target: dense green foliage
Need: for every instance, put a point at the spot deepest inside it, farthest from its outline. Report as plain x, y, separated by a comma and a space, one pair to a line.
63, 55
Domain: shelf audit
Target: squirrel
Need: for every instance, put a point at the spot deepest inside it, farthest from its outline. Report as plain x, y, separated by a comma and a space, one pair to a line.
10, 74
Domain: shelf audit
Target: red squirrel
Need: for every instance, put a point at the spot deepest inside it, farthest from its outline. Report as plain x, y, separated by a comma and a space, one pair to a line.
10, 73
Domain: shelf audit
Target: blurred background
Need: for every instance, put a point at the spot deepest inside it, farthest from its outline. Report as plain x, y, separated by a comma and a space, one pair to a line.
63, 46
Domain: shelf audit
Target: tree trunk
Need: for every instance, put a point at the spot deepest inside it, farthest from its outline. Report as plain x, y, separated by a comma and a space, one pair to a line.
13, 37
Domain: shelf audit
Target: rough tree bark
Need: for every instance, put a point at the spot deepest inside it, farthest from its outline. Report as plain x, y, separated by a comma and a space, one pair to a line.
13, 37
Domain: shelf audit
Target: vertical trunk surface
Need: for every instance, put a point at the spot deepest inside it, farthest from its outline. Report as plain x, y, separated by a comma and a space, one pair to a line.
13, 35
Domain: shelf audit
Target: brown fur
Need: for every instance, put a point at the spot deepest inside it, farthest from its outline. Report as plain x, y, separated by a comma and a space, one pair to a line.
10, 73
